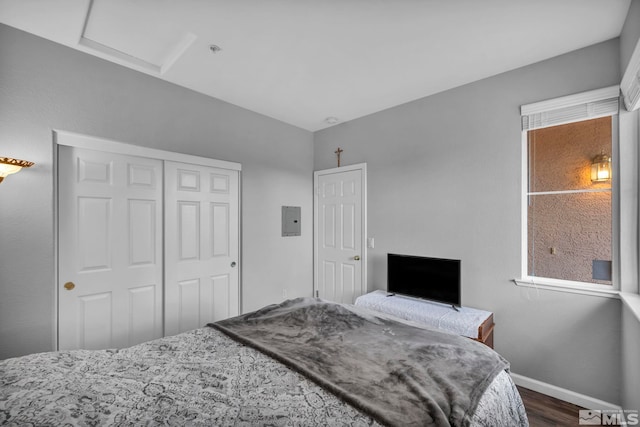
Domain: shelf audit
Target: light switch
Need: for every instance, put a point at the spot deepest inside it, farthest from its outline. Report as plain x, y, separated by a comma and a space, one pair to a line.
370, 243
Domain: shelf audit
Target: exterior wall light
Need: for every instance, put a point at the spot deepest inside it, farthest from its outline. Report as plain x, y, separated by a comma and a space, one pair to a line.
601, 168
9, 166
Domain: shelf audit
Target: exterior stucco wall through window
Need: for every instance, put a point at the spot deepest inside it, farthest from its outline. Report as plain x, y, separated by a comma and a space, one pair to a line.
567, 231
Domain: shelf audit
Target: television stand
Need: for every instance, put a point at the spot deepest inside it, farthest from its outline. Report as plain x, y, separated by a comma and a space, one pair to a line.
470, 322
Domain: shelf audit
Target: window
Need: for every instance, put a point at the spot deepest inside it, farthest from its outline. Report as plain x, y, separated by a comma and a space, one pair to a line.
568, 191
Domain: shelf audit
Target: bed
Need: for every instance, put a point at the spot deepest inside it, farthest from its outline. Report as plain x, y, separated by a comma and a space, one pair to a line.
304, 362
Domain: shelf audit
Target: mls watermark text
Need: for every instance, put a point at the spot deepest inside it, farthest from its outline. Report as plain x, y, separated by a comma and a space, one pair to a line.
609, 417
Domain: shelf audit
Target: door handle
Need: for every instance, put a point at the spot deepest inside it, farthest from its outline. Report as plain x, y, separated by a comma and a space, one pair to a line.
356, 258
233, 264
69, 286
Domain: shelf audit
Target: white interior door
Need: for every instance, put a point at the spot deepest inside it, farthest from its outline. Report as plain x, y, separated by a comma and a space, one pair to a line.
340, 233
110, 249
201, 249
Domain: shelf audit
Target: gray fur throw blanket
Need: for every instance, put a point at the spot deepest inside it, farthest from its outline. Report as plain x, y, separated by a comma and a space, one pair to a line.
399, 374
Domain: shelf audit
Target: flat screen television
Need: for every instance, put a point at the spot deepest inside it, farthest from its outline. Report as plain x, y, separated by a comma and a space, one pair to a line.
434, 279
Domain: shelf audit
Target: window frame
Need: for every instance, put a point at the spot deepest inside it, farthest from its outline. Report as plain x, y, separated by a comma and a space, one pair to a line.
540, 108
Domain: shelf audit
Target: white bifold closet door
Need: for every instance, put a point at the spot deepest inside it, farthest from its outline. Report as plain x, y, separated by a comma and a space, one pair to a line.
146, 247
201, 246
110, 249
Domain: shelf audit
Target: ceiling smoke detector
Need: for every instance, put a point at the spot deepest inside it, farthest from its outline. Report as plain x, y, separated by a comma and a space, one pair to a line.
331, 120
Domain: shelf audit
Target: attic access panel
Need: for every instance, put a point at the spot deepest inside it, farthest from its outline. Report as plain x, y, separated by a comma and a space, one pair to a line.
129, 32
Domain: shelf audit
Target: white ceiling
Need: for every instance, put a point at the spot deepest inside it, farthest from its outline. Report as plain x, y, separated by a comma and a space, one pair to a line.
301, 61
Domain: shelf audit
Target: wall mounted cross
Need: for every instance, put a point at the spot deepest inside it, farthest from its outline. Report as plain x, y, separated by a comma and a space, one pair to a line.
338, 152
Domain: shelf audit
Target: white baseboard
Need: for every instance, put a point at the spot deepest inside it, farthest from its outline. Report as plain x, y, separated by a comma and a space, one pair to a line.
562, 393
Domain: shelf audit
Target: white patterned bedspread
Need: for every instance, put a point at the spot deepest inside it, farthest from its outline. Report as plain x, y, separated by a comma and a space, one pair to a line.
464, 321
196, 378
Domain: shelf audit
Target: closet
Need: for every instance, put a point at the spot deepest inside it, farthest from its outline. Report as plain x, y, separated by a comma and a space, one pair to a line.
148, 242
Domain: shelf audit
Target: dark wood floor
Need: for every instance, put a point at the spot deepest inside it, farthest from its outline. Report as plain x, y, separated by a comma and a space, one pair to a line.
545, 411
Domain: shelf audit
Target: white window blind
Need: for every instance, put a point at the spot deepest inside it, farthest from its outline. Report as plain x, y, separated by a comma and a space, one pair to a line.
573, 108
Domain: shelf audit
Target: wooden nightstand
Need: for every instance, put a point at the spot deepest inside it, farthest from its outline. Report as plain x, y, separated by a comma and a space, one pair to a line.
485, 331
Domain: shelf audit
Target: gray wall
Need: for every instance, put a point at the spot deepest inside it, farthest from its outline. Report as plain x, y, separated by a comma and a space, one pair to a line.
45, 86
444, 180
630, 34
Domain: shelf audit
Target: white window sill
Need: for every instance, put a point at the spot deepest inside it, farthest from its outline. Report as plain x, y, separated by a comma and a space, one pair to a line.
603, 291
632, 301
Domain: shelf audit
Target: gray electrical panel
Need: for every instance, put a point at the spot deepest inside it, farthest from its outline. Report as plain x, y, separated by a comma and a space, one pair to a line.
290, 221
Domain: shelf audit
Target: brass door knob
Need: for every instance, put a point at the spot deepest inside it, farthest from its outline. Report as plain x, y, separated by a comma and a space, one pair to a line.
356, 258
69, 285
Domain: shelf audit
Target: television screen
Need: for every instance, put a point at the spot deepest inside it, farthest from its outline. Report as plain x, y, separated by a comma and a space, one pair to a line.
434, 279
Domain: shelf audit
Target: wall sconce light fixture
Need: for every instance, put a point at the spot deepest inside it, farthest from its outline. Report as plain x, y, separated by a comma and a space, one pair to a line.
601, 168
9, 166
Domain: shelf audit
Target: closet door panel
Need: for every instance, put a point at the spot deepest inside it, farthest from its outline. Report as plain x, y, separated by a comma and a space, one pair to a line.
142, 232
201, 245
143, 313
110, 252
189, 296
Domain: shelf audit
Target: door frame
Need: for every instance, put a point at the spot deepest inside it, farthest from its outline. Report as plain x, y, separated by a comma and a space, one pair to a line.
362, 167
72, 139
